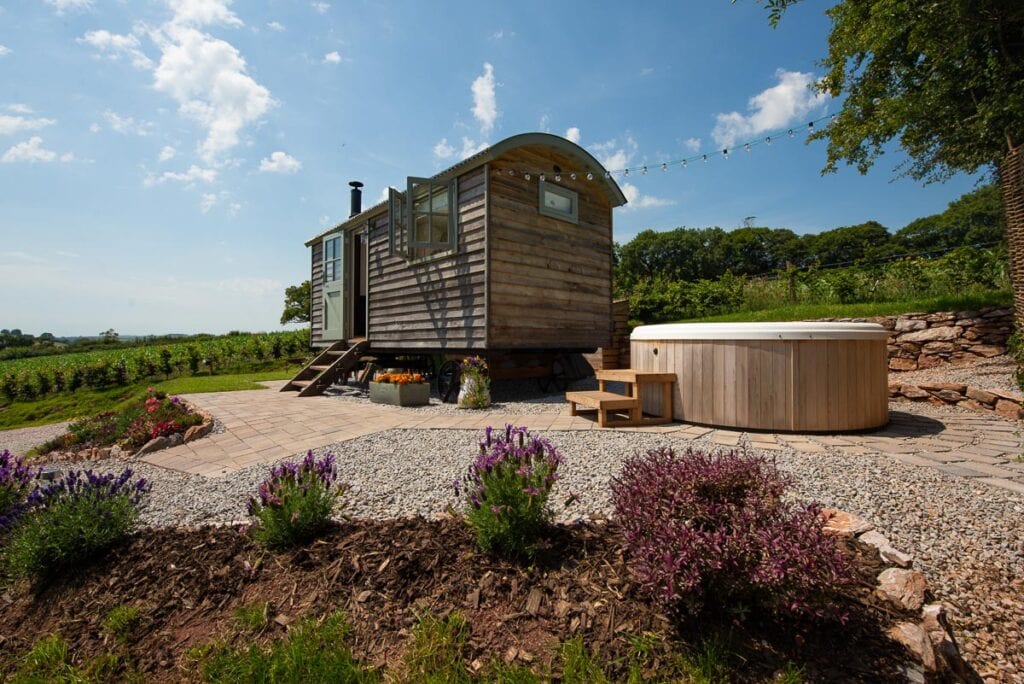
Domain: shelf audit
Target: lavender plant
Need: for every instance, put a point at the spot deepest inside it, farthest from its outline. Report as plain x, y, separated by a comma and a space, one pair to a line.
295, 503
72, 520
16, 479
713, 530
506, 490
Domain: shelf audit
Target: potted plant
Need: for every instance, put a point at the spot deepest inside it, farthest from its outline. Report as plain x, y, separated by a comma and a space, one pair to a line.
400, 389
475, 390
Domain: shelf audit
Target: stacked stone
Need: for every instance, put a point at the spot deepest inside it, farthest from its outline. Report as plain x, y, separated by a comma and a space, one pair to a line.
950, 393
929, 639
922, 340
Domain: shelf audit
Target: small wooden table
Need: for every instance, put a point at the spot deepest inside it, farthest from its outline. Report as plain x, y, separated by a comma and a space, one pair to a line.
605, 402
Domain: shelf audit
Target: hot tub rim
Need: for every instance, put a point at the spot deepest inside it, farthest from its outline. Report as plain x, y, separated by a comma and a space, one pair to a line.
725, 332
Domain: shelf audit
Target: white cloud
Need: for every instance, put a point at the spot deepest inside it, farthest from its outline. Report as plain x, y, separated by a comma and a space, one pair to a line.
31, 150
63, 5
19, 108
68, 157
203, 12
485, 104
234, 208
471, 147
193, 174
4, 50
573, 135
95, 128
332, 58
384, 195
692, 144
502, 33
9, 125
779, 106
442, 150
167, 153
638, 201
275, 26
545, 123
320, 7
207, 201
646, 71
279, 162
207, 77
127, 125
613, 156
115, 46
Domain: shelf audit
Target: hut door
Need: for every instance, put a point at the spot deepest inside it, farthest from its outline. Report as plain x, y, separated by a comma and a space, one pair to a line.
334, 291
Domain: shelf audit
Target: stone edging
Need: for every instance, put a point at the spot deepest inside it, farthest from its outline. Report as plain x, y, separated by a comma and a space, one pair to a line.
1004, 404
99, 453
930, 638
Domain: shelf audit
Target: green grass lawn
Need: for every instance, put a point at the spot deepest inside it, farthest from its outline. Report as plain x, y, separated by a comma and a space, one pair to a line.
87, 402
800, 312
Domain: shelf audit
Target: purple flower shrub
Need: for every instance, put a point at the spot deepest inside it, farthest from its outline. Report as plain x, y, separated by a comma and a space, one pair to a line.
713, 530
294, 504
73, 520
506, 490
16, 480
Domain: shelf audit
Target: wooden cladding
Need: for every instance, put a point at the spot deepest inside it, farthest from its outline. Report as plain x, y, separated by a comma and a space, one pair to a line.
316, 293
791, 385
436, 303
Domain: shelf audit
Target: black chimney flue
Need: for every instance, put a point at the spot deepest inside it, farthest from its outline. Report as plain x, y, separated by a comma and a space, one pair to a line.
357, 198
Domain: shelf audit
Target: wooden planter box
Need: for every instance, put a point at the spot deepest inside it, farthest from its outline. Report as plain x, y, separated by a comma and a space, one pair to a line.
413, 394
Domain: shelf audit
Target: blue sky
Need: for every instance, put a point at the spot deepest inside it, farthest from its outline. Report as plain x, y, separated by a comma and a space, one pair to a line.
162, 162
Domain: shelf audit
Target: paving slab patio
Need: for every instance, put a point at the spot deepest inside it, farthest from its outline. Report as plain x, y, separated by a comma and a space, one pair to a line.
265, 426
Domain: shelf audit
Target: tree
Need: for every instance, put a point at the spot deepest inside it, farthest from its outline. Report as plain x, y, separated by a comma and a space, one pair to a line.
296, 304
945, 79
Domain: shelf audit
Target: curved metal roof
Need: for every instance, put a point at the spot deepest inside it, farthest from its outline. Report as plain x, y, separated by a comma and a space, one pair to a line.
557, 142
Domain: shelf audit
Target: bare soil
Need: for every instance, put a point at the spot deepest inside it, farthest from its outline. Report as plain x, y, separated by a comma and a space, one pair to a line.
383, 574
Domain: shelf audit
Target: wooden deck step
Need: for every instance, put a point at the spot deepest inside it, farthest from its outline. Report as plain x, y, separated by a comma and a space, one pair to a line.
331, 365
602, 400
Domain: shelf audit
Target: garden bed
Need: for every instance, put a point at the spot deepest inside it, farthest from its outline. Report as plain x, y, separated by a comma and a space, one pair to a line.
188, 584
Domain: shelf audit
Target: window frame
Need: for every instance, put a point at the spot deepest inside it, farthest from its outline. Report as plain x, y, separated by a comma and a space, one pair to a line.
571, 195
412, 245
398, 244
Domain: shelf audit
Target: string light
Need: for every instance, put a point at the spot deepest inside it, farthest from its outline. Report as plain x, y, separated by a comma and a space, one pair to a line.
558, 178
683, 163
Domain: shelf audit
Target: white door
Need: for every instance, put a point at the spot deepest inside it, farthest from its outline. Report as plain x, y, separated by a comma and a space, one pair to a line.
334, 290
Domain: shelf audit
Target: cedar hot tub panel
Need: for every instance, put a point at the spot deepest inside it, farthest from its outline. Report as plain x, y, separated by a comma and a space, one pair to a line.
793, 377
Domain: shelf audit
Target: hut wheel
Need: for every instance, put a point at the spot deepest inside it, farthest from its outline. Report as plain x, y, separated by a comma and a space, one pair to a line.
448, 381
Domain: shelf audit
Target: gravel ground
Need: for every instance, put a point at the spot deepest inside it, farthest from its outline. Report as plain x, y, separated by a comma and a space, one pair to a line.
19, 441
994, 373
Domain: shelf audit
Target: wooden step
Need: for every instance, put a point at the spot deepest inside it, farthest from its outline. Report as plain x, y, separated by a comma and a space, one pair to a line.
602, 400
319, 369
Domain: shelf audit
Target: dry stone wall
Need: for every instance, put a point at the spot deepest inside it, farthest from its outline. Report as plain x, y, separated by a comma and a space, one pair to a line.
927, 340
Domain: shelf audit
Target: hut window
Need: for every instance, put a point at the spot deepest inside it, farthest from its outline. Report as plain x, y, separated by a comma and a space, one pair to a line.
332, 259
559, 202
429, 215
398, 243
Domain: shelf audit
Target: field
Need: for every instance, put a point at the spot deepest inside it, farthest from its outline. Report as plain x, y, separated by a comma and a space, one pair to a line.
32, 378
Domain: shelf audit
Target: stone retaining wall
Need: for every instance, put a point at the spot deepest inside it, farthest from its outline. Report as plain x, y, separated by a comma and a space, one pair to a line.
922, 340
951, 393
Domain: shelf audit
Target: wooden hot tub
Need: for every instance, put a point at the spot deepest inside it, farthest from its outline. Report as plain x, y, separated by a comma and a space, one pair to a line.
799, 377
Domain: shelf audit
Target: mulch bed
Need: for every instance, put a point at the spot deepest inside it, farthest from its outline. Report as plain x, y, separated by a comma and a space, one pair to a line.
384, 573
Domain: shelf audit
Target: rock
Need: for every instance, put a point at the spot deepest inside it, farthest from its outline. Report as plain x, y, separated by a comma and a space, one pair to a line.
928, 361
1010, 409
155, 444
913, 392
886, 550
899, 364
948, 396
909, 324
175, 439
937, 334
998, 313
935, 623
988, 350
843, 524
104, 452
197, 431
975, 405
903, 587
939, 386
916, 641
983, 396
939, 347
116, 451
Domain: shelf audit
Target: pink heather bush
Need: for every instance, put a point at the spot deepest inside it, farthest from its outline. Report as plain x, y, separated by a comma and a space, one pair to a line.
712, 530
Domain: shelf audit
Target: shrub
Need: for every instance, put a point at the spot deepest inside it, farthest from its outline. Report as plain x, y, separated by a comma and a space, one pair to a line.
9, 386
72, 520
506, 490
16, 480
294, 504
713, 530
